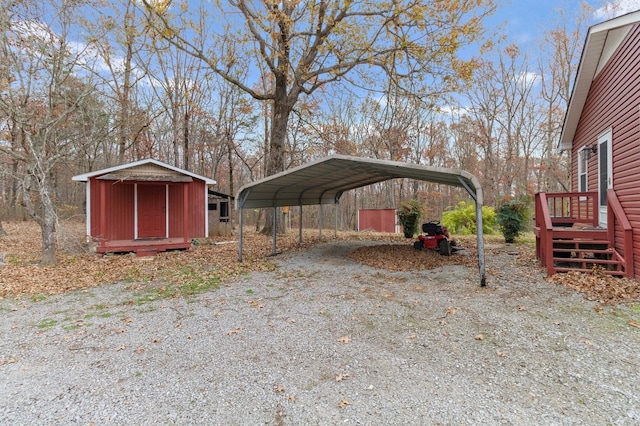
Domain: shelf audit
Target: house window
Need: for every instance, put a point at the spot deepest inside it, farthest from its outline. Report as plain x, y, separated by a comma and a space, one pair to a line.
583, 161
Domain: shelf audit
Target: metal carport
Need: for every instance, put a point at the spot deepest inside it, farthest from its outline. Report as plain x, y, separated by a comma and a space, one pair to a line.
324, 181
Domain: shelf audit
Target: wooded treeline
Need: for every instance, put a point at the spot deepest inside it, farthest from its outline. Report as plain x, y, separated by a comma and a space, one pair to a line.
86, 85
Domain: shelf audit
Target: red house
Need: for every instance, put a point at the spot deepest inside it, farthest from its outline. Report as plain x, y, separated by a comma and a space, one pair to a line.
597, 223
145, 207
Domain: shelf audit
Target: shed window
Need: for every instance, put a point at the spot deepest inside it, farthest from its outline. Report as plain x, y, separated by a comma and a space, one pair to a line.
224, 209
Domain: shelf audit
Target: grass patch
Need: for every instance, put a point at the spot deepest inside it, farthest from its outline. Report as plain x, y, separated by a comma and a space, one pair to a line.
47, 323
38, 298
187, 283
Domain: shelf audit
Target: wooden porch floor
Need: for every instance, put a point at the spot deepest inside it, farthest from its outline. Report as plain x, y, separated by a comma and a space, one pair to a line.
143, 247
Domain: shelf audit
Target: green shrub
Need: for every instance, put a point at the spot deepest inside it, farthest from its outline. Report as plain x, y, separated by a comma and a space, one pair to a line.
409, 214
513, 216
462, 219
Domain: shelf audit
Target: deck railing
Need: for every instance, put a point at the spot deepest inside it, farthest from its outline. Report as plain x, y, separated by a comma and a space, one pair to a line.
560, 209
555, 210
616, 216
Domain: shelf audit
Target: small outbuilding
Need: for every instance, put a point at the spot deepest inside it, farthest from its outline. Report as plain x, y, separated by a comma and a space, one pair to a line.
145, 207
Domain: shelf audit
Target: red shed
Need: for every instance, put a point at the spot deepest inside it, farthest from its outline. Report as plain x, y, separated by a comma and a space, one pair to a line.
145, 207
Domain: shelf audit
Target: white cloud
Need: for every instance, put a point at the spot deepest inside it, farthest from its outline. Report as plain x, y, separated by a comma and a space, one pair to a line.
616, 8
528, 78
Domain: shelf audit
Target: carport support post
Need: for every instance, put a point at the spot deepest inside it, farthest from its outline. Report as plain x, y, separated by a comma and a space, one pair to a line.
480, 239
240, 235
275, 229
300, 226
320, 222
335, 228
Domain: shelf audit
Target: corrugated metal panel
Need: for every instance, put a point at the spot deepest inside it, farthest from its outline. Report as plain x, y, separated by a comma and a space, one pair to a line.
118, 210
614, 103
379, 220
196, 209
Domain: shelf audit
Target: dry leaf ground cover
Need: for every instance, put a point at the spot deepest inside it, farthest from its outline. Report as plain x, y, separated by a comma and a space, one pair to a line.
215, 259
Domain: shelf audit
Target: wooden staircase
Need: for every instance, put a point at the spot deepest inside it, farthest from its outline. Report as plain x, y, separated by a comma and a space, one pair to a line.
583, 254
568, 237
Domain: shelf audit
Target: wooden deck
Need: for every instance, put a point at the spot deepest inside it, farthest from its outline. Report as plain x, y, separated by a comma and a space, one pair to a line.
143, 247
568, 237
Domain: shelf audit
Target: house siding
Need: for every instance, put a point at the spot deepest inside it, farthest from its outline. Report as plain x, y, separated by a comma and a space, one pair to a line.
614, 103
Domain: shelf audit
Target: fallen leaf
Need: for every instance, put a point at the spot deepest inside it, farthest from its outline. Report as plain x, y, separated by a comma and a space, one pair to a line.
451, 311
341, 377
138, 350
411, 336
121, 348
343, 403
279, 389
292, 320
479, 337
8, 361
501, 354
291, 398
344, 339
235, 331
634, 323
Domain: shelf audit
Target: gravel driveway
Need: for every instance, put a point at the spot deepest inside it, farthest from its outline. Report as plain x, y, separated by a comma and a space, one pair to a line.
324, 340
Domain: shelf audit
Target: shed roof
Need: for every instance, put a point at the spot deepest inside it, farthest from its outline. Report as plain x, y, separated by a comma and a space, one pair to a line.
149, 161
601, 43
324, 181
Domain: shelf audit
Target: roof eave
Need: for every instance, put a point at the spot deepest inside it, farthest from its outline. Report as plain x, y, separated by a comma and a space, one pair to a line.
587, 68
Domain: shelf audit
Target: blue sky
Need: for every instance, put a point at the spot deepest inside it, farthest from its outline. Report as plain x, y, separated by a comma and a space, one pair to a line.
526, 21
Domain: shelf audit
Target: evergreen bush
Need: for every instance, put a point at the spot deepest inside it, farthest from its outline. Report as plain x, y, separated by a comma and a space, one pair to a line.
409, 214
513, 216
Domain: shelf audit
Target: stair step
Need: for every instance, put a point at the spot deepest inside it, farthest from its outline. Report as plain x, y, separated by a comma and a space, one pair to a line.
581, 241
605, 271
143, 252
571, 250
586, 260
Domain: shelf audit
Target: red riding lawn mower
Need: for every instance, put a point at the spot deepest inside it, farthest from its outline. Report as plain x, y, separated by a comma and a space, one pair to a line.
435, 237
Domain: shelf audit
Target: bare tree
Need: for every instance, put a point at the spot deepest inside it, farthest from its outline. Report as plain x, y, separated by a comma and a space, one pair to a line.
561, 49
39, 101
306, 45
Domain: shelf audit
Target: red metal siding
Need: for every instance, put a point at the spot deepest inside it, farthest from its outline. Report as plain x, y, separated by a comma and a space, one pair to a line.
380, 220
195, 209
614, 103
118, 210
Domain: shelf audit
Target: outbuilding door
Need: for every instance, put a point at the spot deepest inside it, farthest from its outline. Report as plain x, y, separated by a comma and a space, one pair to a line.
151, 211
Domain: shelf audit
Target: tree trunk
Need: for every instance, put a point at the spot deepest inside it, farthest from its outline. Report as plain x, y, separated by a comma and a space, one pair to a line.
48, 240
281, 112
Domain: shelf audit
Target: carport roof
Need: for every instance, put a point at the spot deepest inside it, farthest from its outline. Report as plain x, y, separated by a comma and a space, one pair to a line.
324, 181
